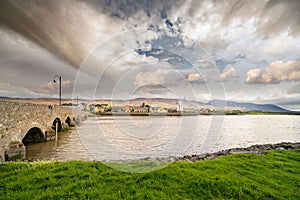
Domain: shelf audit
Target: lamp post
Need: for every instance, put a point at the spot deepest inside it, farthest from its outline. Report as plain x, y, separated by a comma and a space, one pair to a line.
54, 81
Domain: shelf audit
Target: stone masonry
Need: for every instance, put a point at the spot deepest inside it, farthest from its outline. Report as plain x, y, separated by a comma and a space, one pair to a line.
16, 119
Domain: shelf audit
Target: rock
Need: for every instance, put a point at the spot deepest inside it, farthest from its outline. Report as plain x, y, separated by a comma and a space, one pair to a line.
202, 156
254, 149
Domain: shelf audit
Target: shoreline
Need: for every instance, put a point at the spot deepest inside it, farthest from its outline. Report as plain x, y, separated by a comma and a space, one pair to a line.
192, 114
253, 149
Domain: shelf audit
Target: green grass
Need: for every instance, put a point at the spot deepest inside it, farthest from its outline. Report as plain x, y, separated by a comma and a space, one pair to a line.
270, 113
275, 175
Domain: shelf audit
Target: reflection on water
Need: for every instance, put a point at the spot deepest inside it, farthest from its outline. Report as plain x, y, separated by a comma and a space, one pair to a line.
131, 137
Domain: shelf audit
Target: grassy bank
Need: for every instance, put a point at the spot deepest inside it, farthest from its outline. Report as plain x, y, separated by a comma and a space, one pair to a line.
275, 175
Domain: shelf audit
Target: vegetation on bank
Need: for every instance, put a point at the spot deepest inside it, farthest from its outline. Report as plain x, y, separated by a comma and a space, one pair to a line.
238, 112
214, 112
275, 175
271, 113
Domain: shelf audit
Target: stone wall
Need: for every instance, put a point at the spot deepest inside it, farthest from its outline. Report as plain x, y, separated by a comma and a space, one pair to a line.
16, 119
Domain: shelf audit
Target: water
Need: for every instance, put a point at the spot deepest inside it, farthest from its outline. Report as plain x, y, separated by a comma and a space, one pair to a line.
129, 138
67, 147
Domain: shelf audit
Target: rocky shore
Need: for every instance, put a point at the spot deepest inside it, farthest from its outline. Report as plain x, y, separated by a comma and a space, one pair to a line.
254, 149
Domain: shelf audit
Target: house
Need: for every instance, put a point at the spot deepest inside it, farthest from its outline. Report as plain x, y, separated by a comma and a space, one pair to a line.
116, 109
172, 110
141, 109
102, 108
159, 110
127, 108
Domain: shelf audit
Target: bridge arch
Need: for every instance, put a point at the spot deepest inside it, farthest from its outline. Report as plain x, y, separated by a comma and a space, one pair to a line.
68, 121
33, 135
57, 122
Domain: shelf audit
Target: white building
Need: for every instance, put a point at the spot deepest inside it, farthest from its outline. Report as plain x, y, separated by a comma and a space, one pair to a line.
179, 106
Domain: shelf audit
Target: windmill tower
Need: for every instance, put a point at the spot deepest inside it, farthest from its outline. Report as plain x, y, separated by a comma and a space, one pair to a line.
179, 106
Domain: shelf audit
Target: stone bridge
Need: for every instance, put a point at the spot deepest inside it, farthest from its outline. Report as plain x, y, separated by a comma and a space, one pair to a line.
23, 123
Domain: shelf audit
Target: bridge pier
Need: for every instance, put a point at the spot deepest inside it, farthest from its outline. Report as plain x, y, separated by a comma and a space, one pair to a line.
15, 151
49, 134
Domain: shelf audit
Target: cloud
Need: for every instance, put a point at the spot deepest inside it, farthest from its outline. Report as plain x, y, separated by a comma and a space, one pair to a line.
294, 90
271, 16
254, 76
223, 63
161, 83
127, 9
206, 61
194, 77
282, 47
231, 72
211, 76
60, 27
275, 73
158, 77
52, 88
133, 60
71, 38
5, 85
279, 46
278, 16
134, 39
11, 90
153, 91
168, 78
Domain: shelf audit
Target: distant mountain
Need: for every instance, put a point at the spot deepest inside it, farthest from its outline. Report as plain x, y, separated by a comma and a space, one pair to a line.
168, 103
214, 104
246, 106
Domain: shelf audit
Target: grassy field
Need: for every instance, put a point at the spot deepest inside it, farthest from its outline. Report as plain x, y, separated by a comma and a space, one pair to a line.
275, 175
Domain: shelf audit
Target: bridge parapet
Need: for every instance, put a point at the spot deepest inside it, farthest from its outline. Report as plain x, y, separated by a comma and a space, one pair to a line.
16, 119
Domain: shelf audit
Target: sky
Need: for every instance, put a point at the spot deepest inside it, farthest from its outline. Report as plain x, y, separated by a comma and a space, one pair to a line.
240, 50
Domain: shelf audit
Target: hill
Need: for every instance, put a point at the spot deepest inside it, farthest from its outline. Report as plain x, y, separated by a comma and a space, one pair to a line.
246, 106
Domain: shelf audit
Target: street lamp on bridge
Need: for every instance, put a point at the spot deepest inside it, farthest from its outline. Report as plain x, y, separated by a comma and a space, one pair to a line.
54, 81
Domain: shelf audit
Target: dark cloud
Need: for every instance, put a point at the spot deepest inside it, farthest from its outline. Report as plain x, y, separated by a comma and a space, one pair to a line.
68, 29
124, 9
181, 33
51, 23
278, 16
176, 61
30, 19
169, 46
272, 16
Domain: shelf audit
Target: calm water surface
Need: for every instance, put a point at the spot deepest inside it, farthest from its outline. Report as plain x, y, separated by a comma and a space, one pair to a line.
128, 138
